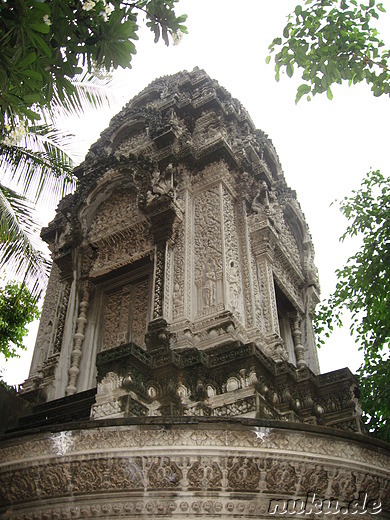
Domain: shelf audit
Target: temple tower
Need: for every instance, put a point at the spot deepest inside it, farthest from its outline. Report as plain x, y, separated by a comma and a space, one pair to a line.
181, 297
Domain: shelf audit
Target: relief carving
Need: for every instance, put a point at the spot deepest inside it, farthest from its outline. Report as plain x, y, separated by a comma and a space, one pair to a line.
282, 478
161, 184
316, 481
244, 474
120, 211
164, 473
126, 313
205, 474
123, 248
208, 252
51, 324
230, 229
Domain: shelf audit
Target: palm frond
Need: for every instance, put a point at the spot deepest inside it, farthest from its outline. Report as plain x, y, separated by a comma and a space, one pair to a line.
19, 234
39, 166
85, 92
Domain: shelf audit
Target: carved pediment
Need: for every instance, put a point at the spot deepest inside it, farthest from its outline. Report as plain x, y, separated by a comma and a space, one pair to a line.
117, 213
122, 248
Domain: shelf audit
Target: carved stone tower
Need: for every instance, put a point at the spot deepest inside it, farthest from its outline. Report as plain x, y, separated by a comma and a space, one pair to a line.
181, 297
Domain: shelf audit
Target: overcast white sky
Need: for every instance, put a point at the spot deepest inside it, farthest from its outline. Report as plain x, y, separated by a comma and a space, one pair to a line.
325, 147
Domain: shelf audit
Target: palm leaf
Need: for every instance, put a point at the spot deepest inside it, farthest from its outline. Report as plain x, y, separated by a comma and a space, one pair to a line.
82, 92
39, 166
19, 234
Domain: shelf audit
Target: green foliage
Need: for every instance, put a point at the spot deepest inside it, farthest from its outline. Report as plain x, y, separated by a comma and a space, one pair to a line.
34, 161
332, 41
363, 287
11, 389
44, 47
45, 44
20, 255
17, 309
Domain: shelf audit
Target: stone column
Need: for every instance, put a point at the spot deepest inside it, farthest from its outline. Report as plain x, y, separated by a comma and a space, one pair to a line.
297, 338
76, 354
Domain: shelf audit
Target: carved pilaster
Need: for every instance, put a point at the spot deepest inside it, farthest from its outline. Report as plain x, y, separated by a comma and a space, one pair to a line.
275, 347
163, 215
234, 286
250, 288
78, 343
297, 337
269, 296
159, 280
61, 317
188, 257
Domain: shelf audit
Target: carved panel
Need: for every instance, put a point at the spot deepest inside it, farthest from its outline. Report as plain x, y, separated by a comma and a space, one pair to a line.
267, 289
316, 481
208, 252
106, 475
112, 318
285, 235
52, 319
126, 314
158, 295
344, 482
164, 473
232, 257
281, 478
132, 143
118, 212
238, 407
188, 255
122, 249
61, 317
205, 474
168, 289
140, 313
250, 285
243, 474
178, 276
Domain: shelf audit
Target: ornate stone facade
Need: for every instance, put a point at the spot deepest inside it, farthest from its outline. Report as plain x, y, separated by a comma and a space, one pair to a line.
182, 287
182, 184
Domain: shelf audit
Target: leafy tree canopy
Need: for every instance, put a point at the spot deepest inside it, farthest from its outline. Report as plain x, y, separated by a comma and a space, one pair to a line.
17, 309
332, 41
44, 44
363, 288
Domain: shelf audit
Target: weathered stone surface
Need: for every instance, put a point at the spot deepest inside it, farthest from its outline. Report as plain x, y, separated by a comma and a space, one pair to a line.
194, 467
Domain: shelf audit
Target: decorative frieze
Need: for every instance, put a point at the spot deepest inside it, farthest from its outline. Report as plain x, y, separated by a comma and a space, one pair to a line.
188, 469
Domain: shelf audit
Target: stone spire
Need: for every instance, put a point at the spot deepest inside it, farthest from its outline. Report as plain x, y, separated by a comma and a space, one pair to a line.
183, 276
